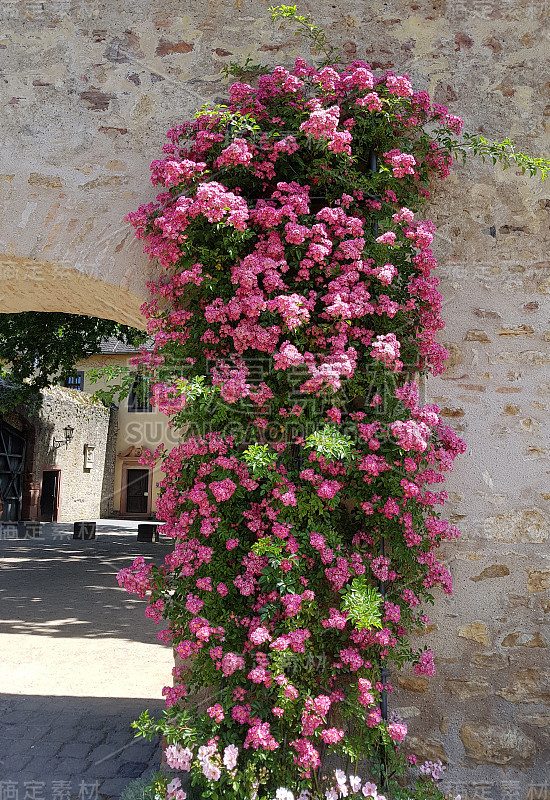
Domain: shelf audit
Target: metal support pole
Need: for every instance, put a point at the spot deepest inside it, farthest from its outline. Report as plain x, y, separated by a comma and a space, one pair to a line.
384, 675
384, 671
372, 161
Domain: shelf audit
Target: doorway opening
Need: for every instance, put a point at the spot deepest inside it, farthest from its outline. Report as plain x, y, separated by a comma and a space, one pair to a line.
136, 492
49, 495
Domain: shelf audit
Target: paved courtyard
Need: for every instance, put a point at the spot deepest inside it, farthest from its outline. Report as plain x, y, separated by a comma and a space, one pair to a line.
79, 662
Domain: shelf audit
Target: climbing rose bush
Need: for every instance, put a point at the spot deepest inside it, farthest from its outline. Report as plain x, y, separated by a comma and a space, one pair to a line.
296, 311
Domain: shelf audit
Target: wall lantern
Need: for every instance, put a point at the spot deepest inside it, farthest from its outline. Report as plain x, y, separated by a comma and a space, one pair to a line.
69, 433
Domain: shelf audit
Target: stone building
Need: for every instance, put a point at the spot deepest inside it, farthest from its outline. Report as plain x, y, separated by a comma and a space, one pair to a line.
75, 459
57, 465
75, 156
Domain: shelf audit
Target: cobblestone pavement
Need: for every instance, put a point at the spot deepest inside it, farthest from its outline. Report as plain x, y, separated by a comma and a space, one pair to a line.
78, 663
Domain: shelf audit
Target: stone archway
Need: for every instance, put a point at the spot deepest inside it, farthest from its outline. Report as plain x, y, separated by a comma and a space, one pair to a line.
89, 90
33, 285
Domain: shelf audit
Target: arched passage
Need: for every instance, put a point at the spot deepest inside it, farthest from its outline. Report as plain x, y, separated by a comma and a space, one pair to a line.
33, 285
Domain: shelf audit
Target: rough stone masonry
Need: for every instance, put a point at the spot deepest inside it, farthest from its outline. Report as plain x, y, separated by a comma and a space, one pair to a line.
88, 90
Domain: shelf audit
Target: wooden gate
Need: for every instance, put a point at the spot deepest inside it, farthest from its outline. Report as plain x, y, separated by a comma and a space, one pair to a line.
12, 461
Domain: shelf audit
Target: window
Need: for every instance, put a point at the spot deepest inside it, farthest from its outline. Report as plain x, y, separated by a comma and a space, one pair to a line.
139, 398
75, 381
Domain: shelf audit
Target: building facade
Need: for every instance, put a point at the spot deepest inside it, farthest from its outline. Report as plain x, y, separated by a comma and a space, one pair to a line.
139, 427
56, 465
76, 459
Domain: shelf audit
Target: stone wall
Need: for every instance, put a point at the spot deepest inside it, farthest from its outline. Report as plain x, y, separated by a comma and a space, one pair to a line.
490, 713
81, 488
90, 89
108, 486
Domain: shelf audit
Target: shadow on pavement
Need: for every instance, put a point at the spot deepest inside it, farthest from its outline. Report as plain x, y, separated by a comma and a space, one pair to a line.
85, 743
69, 588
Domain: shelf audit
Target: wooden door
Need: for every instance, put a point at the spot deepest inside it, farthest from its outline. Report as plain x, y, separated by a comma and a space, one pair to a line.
49, 495
12, 461
137, 491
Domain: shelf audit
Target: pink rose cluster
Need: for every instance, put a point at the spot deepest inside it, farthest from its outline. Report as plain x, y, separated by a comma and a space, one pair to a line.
278, 303
401, 163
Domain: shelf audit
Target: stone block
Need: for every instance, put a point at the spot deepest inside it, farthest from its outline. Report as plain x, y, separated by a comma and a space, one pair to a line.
527, 686
494, 571
39, 769
413, 684
525, 525
105, 769
466, 688
103, 751
531, 358
455, 355
476, 336
18, 763
76, 750
133, 769
503, 745
408, 712
518, 601
517, 330
537, 720
519, 639
489, 661
112, 788
538, 580
476, 632
426, 748
452, 413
